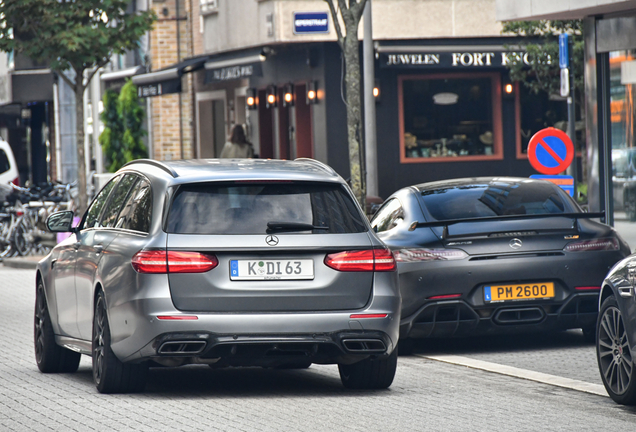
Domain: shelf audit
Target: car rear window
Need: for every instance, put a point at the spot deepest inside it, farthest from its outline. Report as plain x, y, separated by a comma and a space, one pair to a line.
246, 208
496, 199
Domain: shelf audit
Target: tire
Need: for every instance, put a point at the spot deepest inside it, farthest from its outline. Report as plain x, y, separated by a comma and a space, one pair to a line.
49, 356
370, 373
406, 346
110, 374
615, 360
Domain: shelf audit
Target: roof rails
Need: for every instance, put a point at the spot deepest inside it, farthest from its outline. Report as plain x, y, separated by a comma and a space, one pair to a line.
317, 163
154, 163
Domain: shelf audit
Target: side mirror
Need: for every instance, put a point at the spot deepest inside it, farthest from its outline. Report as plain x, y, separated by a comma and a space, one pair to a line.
60, 222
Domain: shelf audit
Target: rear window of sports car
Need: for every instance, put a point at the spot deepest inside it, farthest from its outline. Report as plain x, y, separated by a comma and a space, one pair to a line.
247, 207
495, 199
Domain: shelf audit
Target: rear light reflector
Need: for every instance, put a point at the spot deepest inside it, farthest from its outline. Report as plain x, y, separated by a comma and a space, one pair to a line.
417, 255
603, 244
177, 317
160, 261
369, 260
588, 288
16, 181
362, 316
445, 296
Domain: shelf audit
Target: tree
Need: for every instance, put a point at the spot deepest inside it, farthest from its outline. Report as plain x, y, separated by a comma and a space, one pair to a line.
123, 116
75, 38
350, 11
541, 72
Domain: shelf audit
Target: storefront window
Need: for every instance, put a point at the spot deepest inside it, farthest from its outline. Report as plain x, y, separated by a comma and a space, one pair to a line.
538, 111
622, 120
450, 117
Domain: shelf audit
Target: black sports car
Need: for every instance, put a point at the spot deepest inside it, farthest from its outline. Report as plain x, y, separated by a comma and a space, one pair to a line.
495, 255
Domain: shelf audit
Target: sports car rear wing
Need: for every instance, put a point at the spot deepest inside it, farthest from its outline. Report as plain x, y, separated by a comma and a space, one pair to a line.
446, 223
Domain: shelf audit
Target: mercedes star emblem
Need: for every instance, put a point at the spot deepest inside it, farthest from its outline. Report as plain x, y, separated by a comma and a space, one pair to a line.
271, 240
515, 243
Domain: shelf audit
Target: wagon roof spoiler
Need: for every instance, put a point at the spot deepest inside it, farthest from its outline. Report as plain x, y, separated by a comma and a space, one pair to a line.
446, 223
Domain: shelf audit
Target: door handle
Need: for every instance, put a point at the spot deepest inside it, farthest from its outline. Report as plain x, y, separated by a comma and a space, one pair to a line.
99, 248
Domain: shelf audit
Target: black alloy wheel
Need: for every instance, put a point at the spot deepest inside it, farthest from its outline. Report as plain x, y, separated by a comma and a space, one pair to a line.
49, 356
615, 360
109, 373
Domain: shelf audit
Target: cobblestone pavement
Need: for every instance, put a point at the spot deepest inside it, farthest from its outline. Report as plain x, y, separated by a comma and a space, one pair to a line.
426, 395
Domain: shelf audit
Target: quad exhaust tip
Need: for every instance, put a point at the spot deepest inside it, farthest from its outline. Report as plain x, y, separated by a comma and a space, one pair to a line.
182, 347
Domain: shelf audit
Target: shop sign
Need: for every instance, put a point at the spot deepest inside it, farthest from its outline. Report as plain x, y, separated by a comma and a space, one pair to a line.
311, 22
459, 60
233, 72
159, 88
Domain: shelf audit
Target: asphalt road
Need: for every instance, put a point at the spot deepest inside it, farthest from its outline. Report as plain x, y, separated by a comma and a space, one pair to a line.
427, 395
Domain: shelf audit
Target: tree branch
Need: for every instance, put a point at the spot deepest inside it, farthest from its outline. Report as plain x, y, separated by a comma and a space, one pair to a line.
358, 10
336, 23
98, 66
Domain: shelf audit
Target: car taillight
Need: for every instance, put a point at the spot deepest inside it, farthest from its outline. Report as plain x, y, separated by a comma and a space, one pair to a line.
161, 261
362, 261
16, 181
603, 244
416, 255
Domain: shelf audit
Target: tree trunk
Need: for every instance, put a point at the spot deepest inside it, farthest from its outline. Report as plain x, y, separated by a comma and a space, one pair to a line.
81, 158
352, 85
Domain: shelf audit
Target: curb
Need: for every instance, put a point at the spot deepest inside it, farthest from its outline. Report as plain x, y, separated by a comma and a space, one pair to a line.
22, 262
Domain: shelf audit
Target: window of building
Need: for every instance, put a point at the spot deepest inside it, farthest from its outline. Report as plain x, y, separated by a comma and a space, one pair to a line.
536, 111
450, 117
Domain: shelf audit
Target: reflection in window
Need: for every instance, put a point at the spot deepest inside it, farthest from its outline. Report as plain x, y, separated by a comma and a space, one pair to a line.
449, 116
95, 209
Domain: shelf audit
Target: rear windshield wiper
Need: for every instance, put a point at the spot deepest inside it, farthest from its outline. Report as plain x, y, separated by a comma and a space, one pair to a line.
293, 226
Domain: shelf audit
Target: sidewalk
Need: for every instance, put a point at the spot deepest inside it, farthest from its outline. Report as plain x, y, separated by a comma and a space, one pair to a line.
27, 262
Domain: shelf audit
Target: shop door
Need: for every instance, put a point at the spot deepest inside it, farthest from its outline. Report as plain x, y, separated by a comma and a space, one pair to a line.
212, 133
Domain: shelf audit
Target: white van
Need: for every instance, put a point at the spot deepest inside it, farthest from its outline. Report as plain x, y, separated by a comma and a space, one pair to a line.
8, 167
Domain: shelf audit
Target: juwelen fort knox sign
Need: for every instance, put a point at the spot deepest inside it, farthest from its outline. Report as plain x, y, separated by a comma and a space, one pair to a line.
467, 59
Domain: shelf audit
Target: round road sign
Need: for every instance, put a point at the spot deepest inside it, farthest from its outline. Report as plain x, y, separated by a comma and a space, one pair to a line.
550, 151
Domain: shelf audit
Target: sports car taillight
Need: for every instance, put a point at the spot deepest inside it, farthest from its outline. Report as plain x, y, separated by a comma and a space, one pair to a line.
416, 255
603, 244
379, 260
161, 261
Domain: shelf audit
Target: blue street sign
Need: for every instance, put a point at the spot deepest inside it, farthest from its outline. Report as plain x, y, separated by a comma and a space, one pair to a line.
564, 56
311, 22
565, 182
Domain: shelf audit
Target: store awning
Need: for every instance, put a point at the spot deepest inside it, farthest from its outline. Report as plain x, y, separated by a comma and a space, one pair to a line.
234, 68
167, 80
116, 79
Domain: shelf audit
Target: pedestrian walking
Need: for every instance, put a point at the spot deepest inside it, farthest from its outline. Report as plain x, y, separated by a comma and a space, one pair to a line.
238, 147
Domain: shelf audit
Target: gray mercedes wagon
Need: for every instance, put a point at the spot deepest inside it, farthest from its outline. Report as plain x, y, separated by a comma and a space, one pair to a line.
221, 262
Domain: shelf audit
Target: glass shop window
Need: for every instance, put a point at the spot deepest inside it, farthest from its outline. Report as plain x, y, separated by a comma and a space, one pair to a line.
539, 111
450, 116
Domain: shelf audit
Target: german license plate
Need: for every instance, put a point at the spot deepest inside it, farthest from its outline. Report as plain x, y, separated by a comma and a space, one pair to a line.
292, 269
538, 290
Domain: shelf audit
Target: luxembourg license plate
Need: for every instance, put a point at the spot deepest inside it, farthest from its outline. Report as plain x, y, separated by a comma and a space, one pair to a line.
538, 290
284, 269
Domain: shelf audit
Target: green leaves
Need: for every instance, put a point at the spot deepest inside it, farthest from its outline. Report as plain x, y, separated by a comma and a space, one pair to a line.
71, 34
123, 116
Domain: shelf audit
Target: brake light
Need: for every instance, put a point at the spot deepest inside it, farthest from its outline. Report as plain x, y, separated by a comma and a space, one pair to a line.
16, 181
364, 316
445, 296
416, 255
362, 261
161, 261
603, 244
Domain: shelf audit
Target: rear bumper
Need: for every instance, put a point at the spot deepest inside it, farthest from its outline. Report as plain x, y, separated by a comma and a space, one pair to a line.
459, 318
266, 350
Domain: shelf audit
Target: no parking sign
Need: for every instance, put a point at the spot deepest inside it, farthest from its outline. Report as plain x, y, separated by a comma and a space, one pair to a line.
550, 151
